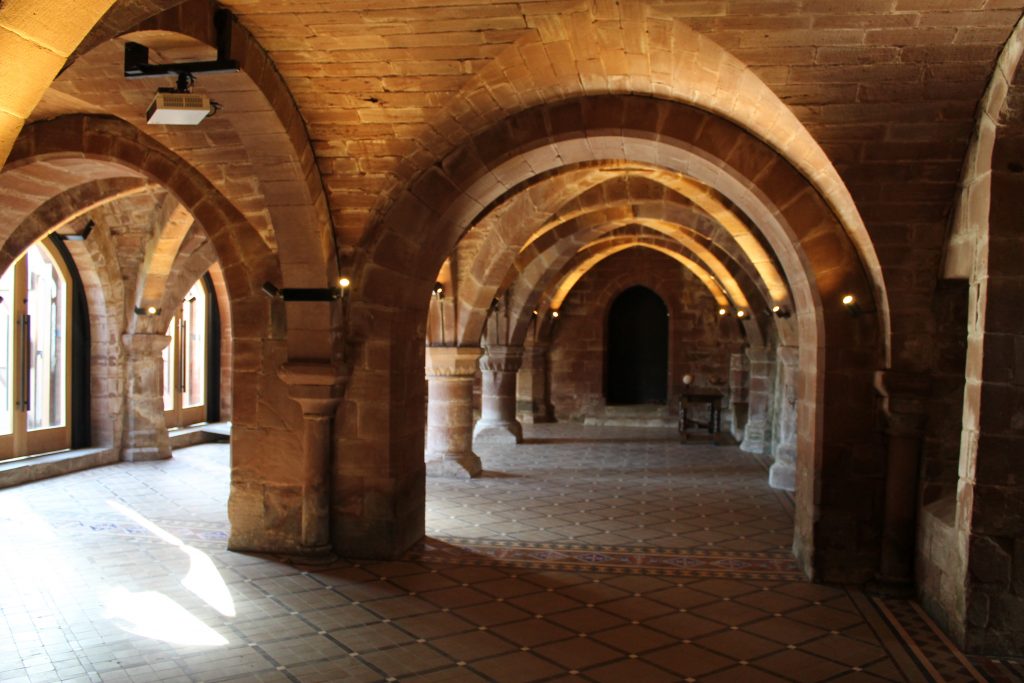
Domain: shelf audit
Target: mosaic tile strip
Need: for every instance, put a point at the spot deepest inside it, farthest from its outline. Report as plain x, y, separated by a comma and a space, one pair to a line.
608, 559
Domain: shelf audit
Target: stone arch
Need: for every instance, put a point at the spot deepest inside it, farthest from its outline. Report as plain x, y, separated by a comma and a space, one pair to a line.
63, 209
86, 146
538, 281
838, 352
633, 50
173, 223
490, 273
275, 136
559, 286
266, 122
969, 590
598, 294
39, 47
99, 270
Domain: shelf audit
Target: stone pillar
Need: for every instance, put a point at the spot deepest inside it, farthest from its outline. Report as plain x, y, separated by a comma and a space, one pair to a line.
782, 474
756, 429
905, 396
739, 376
145, 434
498, 423
450, 373
317, 388
532, 401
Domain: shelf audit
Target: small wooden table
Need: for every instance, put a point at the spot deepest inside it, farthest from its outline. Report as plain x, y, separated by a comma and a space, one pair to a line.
691, 428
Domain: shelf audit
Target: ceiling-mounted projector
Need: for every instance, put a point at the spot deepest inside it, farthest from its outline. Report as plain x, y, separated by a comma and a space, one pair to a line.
178, 109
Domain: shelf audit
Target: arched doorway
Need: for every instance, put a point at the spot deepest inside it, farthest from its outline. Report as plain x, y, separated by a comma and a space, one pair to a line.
636, 367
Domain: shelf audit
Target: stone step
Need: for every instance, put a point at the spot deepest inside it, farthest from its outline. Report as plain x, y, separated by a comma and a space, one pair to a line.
644, 415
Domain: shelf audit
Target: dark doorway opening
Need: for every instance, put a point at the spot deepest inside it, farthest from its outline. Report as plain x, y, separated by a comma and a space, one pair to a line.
637, 361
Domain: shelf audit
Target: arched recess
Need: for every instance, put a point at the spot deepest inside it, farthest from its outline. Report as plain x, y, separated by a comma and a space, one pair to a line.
969, 559
838, 352
636, 348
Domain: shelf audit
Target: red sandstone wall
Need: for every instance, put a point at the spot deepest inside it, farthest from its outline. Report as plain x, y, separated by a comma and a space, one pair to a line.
700, 342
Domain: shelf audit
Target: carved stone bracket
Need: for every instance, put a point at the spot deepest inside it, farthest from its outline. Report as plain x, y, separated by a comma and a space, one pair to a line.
905, 401
317, 388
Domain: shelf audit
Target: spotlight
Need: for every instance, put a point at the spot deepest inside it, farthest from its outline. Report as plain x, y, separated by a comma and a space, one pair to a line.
148, 310
270, 290
344, 282
852, 305
780, 311
722, 311
535, 312
741, 313
554, 314
438, 290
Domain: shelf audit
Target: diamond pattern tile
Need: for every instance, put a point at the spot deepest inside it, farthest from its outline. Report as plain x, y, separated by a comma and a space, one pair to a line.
603, 555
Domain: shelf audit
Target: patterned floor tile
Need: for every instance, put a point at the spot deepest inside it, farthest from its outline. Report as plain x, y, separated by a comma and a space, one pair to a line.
581, 555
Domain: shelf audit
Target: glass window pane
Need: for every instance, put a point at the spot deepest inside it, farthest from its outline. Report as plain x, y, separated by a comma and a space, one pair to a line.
46, 306
7, 351
194, 315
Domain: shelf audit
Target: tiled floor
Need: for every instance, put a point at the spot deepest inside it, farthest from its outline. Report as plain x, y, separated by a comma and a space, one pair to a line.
586, 554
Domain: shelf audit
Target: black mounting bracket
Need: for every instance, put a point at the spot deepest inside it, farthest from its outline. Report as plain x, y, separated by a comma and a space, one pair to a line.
136, 56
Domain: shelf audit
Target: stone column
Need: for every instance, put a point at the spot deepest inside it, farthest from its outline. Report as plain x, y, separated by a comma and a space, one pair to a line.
739, 376
755, 431
145, 434
905, 396
450, 373
532, 403
782, 474
317, 388
498, 423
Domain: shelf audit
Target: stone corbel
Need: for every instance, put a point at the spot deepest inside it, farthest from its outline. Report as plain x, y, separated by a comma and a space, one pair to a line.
904, 407
317, 387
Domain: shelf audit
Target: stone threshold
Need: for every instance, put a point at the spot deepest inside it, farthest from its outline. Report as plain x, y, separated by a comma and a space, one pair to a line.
46, 465
36, 467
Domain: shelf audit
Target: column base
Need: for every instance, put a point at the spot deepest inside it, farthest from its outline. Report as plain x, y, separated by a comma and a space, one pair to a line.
898, 588
145, 453
782, 475
509, 433
454, 465
316, 555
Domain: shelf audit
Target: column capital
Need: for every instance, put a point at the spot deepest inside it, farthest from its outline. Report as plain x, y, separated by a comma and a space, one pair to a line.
315, 386
452, 361
905, 400
140, 344
758, 353
502, 358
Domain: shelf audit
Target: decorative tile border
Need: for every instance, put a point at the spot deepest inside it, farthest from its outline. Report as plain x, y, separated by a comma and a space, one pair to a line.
608, 559
927, 652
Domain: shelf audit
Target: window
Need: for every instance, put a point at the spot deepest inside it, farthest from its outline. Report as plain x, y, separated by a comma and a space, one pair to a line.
185, 360
34, 351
